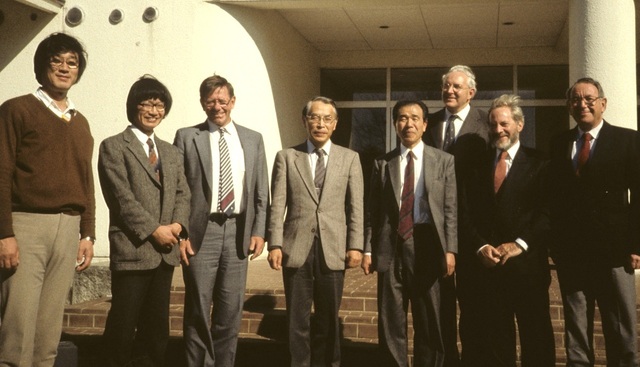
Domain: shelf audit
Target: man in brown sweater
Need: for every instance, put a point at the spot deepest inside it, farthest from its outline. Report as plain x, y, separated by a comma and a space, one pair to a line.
47, 221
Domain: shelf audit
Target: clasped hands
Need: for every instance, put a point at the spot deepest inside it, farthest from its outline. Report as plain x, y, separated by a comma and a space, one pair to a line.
491, 256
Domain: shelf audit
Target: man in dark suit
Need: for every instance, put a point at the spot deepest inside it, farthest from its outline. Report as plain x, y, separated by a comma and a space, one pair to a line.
462, 130
319, 185
411, 237
226, 169
509, 229
595, 216
143, 184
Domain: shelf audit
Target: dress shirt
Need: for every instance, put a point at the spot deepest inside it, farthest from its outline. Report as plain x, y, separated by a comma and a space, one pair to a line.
66, 115
143, 140
421, 211
577, 144
236, 153
457, 123
313, 157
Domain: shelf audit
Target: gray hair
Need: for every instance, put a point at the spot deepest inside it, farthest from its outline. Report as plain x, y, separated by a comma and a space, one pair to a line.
512, 102
471, 77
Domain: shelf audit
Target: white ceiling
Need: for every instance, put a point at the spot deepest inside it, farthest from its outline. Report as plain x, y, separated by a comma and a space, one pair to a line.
413, 24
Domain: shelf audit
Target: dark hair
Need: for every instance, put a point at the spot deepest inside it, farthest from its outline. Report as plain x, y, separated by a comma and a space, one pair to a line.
54, 45
400, 104
325, 100
212, 83
147, 87
586, 80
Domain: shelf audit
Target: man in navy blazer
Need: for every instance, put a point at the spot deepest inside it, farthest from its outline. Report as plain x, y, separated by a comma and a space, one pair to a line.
508, 212
595, 216
222, 233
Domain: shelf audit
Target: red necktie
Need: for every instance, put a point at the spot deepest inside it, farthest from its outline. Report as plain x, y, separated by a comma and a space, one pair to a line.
405, 221
153, 158
501, 171
583, 155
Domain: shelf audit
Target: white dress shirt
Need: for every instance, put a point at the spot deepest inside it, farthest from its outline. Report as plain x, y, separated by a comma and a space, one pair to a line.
457, 123
313, 157
142, 137
421, 211
236, 153
66, 115
577, 144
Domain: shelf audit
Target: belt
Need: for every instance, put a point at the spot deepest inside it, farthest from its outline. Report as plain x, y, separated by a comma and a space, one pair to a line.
221, 218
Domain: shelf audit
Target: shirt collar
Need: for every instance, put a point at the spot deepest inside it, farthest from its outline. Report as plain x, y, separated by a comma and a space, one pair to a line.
230, 127
142, 136
50, 103
594, 132
462, 114
418, 150
326, 147
511, 152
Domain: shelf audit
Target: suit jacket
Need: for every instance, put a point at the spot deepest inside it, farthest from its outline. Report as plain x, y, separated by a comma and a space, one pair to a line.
381, 223
336, 217
518, 210
195, 146
593, 216
138, 202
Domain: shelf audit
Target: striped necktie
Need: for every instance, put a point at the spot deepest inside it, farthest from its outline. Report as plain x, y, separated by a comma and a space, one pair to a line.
318, 180
450, 133
226, 201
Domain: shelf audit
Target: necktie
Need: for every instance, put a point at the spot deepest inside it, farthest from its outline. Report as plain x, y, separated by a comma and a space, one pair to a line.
583, 155
501, 171
318, 180
226, 202
405, 220
450, 133
153, 158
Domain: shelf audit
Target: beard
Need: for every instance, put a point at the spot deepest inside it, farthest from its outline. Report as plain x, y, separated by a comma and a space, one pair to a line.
505, 145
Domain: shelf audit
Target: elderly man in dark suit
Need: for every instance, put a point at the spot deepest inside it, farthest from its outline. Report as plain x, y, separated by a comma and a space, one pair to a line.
508, 210
462, 130
320, 187
595, 216
226, 170
411, 237
143, 183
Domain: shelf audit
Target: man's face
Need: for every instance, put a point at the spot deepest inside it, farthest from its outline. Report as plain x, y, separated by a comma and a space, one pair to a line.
321, 122
62, 73
505, 131
585, 106
150, 114
218, 106
456, 93
410, 125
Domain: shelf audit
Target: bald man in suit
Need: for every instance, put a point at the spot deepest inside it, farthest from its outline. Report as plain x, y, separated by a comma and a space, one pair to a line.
320, 187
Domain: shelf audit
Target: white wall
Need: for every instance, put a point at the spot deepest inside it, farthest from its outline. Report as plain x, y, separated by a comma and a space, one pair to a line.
190, 40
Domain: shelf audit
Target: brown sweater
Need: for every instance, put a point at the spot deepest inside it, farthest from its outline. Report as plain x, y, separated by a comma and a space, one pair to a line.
45, 164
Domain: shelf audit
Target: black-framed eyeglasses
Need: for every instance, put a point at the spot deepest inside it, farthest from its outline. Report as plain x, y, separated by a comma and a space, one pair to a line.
146, 106
588, 100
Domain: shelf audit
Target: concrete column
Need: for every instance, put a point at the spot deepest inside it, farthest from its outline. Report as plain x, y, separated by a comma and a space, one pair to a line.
602, 45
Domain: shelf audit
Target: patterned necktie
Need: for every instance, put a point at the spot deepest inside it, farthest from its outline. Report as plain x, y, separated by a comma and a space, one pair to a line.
226, 199
318, 180
583, 155
501, 171
153, 158
450, 133
405, 220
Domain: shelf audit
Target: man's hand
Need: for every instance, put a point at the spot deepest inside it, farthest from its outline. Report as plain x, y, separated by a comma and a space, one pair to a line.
275, 258
9, 253
489, 256
163, 236
508, 250
354, 258
256, 246
367, 265
450, 258
186, 251
635, 261
85, 255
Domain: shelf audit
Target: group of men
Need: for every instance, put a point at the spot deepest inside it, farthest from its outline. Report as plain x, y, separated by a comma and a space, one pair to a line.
459, 210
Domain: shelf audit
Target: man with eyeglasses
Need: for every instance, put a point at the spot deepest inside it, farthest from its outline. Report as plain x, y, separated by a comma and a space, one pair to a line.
462, 130
595, 216
319, 186
226, 170
47, 220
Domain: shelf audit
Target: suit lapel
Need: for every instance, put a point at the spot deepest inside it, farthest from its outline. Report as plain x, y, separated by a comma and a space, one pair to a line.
436, 131
334, 167
467, 126
394, 173
303, 167
429, 162
134, 145
248, 148
202, 141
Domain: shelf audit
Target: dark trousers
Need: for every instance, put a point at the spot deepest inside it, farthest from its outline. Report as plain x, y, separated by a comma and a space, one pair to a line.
137, 327
313, 342
412, 277
449, 321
